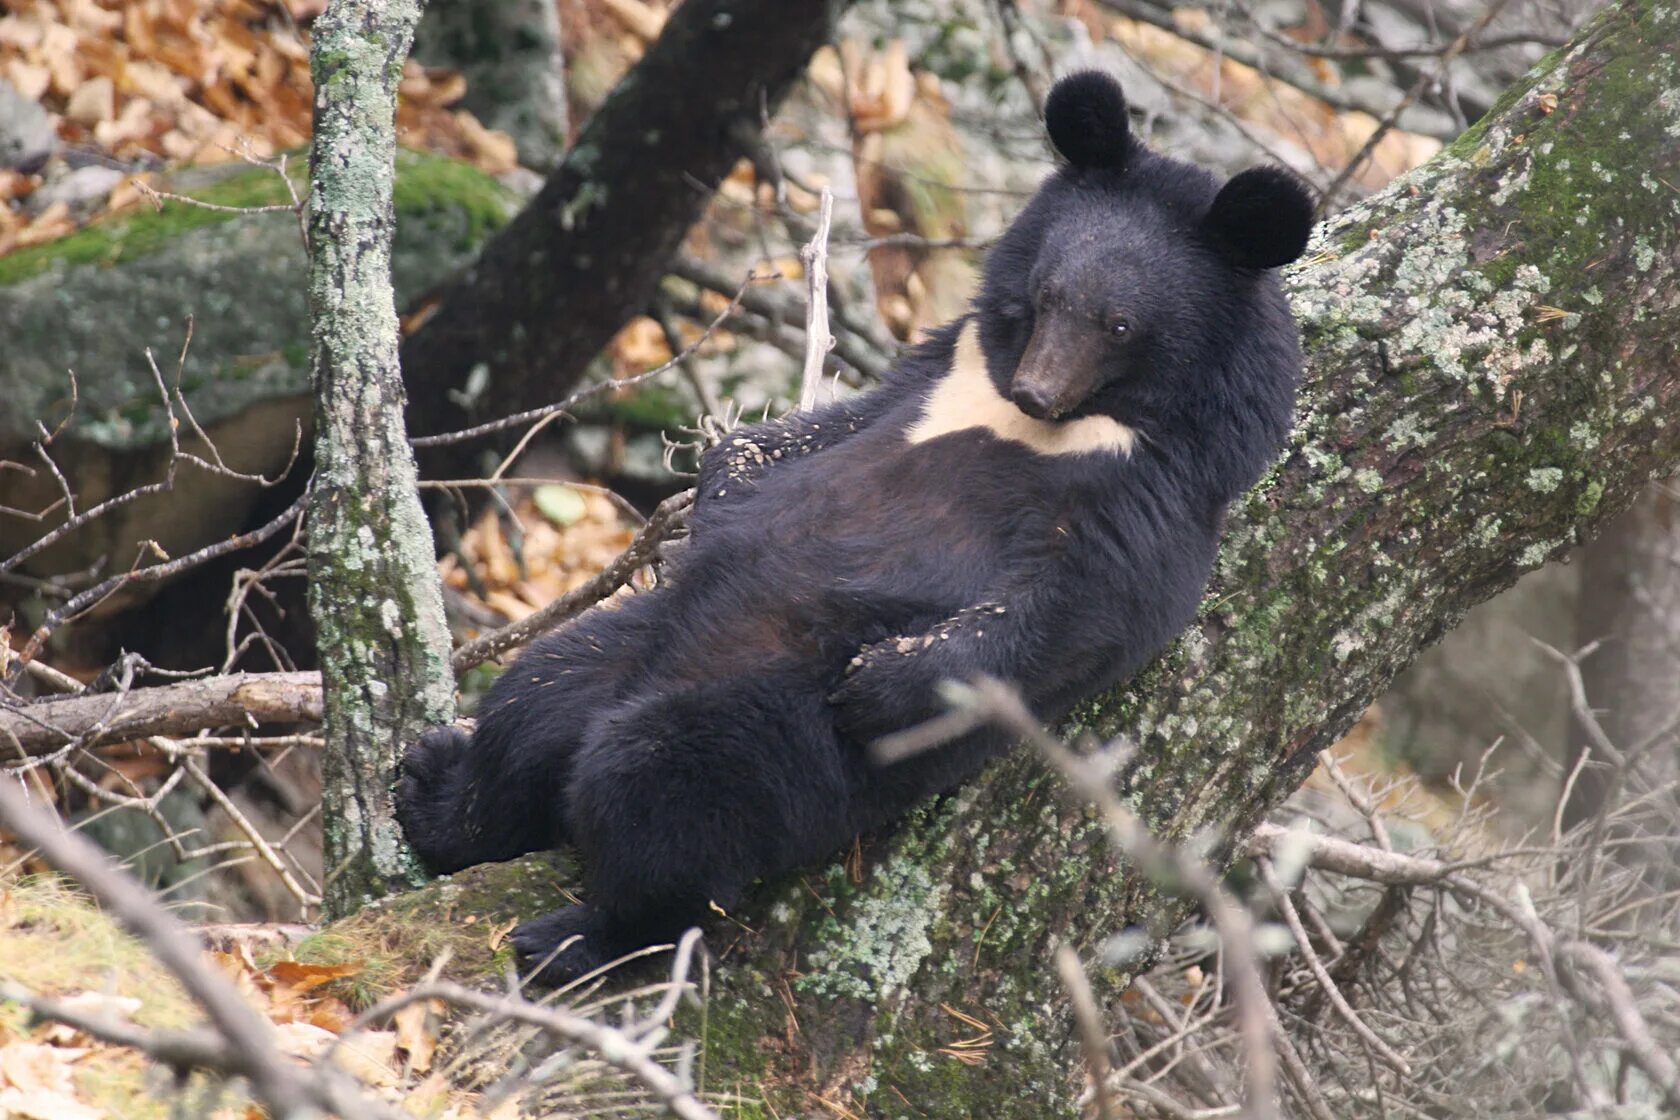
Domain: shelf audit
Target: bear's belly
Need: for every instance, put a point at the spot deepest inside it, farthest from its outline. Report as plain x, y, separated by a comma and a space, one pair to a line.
879, 535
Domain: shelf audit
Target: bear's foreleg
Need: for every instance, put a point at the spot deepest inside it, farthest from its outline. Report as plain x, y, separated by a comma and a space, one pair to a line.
457, 808
745, 453
1049, 644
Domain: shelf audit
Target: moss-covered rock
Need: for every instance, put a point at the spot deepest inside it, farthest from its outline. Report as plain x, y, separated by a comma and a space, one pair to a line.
94, 302
395, 939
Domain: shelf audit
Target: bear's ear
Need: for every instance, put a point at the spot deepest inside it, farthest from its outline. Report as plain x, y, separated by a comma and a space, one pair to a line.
1085, 115
1261, 218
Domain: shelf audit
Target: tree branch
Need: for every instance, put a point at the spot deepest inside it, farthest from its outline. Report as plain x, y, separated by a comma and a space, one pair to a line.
239, 700
667, 518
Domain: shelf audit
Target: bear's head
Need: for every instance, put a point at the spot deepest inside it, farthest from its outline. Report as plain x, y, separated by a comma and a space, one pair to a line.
1138, 286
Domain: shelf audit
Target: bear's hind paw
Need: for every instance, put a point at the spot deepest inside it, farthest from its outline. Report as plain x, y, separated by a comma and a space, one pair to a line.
563, 945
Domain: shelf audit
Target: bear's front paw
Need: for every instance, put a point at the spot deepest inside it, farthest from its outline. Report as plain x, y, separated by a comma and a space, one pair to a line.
561, 946
426, 799
884, 692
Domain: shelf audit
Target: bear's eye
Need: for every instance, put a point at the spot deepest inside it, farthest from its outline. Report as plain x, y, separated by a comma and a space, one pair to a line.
1119, 328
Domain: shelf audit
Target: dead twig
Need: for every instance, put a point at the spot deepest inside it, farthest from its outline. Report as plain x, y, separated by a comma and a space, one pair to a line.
668, 517
626, 1050
244, 1041
818, 340
1166, 864
546, 412
96, 594
1093, 1039
1392, 117
236, 700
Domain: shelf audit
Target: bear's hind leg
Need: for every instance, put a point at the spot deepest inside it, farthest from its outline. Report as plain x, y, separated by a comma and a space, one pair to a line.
457, 812
497, 793
566, 944
678, 802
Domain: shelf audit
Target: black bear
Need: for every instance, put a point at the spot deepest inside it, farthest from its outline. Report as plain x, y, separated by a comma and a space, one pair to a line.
1035, 493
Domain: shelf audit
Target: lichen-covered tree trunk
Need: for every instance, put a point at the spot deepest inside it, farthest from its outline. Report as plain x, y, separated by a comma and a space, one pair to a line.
1492, 370
373, 588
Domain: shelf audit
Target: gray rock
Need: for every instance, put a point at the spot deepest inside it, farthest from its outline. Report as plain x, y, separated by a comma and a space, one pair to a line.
27, 138
84, 189
96, 301
509, 52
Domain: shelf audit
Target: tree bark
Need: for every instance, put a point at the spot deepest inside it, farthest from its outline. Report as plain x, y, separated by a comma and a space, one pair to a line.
518, 329
1492, 372
373, 587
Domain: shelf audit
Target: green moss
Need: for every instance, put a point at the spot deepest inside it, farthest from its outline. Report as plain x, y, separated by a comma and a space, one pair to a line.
394, 940
122, 237
648, 408
1589, 499
428, 182
732, 1036
425, 184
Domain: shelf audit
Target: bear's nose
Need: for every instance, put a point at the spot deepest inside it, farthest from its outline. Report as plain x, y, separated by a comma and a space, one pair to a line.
1032, 400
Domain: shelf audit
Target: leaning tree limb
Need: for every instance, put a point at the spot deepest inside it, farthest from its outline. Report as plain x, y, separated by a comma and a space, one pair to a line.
1493, 368
554, 285
373, 588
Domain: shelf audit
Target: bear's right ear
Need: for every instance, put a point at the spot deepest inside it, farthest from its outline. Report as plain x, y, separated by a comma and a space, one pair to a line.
1261, 218
1085, 115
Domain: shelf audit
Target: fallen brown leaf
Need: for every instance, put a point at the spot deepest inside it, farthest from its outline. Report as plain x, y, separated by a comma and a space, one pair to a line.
416, 1036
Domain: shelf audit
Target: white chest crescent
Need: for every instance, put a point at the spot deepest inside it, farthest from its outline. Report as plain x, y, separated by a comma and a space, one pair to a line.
965, 398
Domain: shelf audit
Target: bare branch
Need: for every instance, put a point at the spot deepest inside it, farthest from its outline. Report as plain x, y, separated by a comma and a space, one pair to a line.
549, 410
1302, 942
1165, 864
238, 700
1092, 1037
818, 340
247, 1037
1616, 1000
96, 594
850, 346
668, 517
1392, 117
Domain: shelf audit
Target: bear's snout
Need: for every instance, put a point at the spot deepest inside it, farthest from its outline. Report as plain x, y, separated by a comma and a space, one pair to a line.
1034, 400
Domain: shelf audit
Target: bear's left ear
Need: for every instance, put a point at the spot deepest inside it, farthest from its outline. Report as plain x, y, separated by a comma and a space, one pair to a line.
1085, 116
1261, 218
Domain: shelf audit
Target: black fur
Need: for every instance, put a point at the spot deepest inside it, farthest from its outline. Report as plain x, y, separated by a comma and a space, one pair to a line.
1262, 216
713, 731
1085, 116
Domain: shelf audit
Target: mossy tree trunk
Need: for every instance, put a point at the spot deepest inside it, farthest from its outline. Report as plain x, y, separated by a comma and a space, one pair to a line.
373, 587
1493, 366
